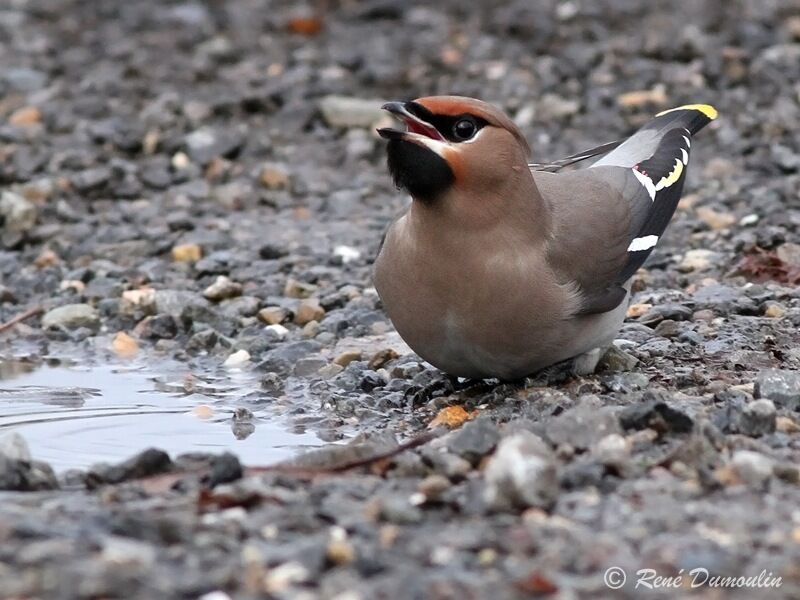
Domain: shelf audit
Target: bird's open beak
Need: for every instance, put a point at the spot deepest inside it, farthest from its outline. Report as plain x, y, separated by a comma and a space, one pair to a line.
414, 124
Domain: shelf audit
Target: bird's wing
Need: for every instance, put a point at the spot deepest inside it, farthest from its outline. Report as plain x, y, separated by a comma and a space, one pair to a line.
607, 218
557, 165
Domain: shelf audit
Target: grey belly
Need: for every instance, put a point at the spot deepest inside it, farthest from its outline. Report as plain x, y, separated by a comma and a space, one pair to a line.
535, 349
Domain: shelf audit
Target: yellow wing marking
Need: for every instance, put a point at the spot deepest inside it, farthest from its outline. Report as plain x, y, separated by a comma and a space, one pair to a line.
672, 177
706, 109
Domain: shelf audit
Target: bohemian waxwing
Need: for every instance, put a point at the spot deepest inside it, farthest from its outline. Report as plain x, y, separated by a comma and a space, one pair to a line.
499, 268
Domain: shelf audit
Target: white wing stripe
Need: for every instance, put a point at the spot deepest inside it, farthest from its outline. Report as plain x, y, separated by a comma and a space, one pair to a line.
643, 243
646, 182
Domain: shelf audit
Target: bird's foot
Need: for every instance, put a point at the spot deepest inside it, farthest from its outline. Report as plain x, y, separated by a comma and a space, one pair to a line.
425, 391
552, 375
577, 366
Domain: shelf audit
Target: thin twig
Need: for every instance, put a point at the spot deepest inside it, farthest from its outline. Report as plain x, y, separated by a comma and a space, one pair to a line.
415, 442
31, 312
162, 482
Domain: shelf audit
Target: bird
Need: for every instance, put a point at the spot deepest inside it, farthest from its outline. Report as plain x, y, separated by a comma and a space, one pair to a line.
502, 268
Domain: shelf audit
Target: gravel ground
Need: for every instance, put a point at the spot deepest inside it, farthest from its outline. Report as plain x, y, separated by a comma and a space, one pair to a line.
201, 182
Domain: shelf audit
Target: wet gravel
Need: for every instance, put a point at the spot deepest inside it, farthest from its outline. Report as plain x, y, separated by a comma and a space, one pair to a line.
200, 181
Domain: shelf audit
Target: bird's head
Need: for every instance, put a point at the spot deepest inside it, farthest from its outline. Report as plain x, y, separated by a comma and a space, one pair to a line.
452, 142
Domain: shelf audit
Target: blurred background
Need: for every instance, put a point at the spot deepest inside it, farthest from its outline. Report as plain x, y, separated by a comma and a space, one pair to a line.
129, 81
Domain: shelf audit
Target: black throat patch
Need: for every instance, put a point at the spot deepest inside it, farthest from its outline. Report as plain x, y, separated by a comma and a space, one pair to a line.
418, 170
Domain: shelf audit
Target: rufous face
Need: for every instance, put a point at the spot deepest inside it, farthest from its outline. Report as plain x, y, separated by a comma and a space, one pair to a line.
450, 141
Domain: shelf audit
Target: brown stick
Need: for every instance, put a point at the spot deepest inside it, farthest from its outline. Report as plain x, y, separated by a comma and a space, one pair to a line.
347, 466
156, 484
31, 312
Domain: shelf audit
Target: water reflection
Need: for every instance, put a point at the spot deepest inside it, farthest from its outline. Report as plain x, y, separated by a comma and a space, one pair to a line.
75, 416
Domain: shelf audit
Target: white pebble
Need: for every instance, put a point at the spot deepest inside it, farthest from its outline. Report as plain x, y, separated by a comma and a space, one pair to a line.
237, 359
754, 468
277, 329
348, 595
287, 574
14, 446
417, 499
750, 219
346, 253
180, 161
442, 555
215, 596
567, 10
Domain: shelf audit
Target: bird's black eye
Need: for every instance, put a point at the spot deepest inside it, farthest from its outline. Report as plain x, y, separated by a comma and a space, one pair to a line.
464, 129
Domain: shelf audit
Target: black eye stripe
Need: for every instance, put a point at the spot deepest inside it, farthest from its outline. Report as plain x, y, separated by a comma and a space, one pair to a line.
445, 124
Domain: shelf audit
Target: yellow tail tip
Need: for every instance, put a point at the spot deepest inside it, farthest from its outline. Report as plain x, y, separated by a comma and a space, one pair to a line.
706, 109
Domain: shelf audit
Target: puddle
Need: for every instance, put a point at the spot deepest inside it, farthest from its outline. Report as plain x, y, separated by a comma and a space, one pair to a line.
76, 416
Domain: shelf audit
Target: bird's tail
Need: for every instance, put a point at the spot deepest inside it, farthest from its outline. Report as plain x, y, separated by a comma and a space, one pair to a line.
647, 143
691, 116
657, 156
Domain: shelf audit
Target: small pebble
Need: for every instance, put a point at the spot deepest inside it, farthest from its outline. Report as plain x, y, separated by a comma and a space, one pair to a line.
278, 330
521, 473
298, 289
237, 359
187, 253
656, 97
217, 595
74, 285
347, 253
699, 260
340, 552
774, 310
180, 161
311, 329
273, 315
72, 316
399, 511
748, 220
753, 468
274, 177
222, 288
758, 418
381, 357
786, 425
25, 116
47, 258
140, 299
330, 370
278, 579
345, 358
780, 386
433, 486
715, 219
308, 310
124, 345
487, 557
14, 447
18, 214
203, 411
616, 360
474, 440
637, 310
612, 450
